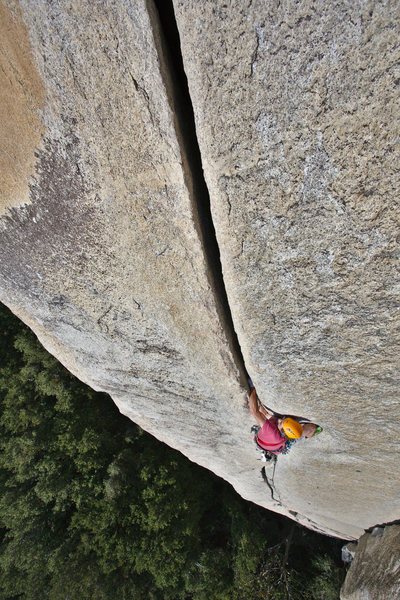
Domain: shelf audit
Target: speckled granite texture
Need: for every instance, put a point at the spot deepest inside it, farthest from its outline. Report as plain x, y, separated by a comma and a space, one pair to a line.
102, 254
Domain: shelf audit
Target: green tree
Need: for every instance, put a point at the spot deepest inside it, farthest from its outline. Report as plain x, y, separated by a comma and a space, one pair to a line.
92, 508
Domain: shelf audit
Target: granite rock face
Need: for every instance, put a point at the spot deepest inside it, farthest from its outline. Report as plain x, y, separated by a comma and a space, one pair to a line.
296, 108
374, 573
104, 254
105, 262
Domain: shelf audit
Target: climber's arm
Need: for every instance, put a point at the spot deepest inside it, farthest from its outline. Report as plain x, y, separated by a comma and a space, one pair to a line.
265, 412
309, 430
254, 408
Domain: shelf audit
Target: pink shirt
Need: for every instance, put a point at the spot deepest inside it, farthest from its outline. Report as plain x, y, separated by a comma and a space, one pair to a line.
269, 437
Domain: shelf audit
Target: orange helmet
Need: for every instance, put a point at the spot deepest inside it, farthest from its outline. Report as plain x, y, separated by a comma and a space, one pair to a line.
292, 428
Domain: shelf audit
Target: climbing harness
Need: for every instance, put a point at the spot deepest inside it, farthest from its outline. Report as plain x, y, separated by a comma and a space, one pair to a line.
289, 444
268, 455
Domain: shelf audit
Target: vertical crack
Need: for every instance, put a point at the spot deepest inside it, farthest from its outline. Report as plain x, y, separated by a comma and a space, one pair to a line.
167, 41
271, 483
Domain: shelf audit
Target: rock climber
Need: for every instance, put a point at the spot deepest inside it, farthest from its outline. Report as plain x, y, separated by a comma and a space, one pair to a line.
275, 434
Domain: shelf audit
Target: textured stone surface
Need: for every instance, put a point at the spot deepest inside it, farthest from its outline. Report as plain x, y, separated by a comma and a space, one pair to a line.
103, 259
21, 100
296, 107
105, 262
374, 573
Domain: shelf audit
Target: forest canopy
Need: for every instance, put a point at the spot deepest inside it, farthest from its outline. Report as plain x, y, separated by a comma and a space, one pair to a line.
92, 507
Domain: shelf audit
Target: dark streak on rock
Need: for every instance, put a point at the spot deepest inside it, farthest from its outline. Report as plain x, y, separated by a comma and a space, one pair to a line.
137, 303
39, 237
100, 320
254, 55
145, 95
163, 251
